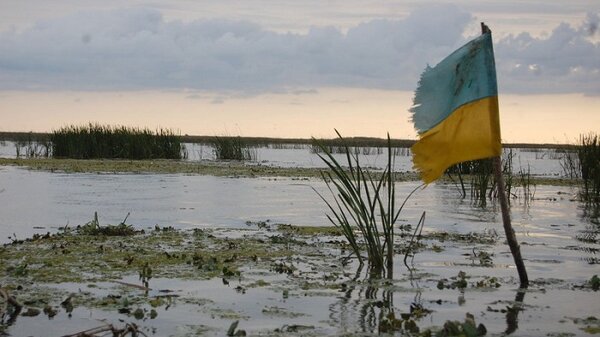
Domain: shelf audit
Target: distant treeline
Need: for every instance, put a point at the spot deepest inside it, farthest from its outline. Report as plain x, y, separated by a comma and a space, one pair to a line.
264, 141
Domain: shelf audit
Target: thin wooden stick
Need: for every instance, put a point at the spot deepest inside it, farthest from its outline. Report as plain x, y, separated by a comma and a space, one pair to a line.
508, 229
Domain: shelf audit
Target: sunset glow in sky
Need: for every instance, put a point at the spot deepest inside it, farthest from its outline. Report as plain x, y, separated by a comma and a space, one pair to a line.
289, 68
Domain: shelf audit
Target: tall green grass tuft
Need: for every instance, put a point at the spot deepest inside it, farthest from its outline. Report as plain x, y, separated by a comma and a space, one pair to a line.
588, 153
364, 206
104, 141
232, 148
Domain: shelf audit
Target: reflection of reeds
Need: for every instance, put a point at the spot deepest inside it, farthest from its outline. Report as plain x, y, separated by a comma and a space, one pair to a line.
104, 141
363, 202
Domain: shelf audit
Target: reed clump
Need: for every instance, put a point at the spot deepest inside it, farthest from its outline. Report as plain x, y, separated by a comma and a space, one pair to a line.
569, 163
105, 141
588, 154
364, 207
232, 148
478, 177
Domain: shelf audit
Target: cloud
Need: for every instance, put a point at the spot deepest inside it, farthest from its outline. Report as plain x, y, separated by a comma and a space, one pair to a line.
133, 49
568, 60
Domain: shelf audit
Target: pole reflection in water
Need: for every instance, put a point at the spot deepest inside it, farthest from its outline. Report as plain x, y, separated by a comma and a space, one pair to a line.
369, 300
366, 305
512, 313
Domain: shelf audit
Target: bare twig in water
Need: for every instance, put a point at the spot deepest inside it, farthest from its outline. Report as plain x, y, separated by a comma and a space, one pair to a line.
412, 239
129, 328
133, 285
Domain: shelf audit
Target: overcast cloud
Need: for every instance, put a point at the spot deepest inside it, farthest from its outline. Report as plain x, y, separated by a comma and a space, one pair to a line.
138, 49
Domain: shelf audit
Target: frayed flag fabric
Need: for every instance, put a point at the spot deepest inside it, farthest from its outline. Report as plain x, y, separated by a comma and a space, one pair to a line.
455, 110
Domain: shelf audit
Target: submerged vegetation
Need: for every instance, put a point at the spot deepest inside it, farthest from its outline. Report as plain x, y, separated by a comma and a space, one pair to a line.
151, 281
104, 141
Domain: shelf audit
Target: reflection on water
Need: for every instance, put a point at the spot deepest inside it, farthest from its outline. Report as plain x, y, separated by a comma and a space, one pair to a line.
512, 313
367, 300
589, 237
590, 212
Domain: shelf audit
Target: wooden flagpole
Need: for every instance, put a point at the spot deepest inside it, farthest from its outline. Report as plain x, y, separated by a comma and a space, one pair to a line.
508, 229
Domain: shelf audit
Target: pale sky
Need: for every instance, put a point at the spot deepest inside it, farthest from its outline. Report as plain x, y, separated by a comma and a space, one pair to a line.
289, 68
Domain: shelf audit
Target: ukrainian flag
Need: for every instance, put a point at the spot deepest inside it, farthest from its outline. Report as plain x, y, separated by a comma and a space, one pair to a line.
455, 110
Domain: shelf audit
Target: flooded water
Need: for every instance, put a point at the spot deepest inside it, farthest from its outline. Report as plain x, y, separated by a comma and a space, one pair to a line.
539, 162
35, 201
558, 236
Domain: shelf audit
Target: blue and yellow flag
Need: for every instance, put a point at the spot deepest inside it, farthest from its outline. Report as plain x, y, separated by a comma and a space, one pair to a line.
455, 110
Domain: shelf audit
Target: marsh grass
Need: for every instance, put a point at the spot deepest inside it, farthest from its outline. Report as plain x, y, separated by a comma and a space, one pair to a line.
105, 141
526, 183
588, 154
364, 207
337, 148
232, 148
569, 162
476, 178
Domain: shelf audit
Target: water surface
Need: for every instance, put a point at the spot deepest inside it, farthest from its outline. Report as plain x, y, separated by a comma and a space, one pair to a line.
558, 236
